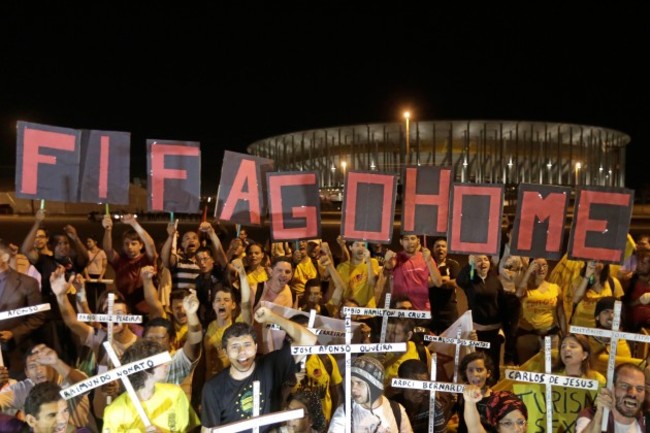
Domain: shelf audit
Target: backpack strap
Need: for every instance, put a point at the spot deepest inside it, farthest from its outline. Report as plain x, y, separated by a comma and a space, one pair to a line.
397, 412
327, 363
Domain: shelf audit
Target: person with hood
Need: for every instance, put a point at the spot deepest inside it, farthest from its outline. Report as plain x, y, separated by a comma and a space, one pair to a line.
371, 411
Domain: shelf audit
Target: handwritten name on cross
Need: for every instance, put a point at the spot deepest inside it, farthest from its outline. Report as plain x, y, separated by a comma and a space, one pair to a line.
387, 312
458, 342
19, 312
550, 380
614, 335
431, 386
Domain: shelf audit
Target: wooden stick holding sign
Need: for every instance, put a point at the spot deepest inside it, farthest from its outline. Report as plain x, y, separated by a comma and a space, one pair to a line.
348, 372
432, 394
549, 387
25, 311
614, 335
384, 320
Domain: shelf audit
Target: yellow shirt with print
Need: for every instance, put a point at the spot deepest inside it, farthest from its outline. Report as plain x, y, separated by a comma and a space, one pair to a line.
356, 279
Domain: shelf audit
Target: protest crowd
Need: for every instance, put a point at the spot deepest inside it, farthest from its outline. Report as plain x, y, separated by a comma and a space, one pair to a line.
233, 314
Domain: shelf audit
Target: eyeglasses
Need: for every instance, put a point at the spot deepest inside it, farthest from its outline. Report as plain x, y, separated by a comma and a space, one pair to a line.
511, 425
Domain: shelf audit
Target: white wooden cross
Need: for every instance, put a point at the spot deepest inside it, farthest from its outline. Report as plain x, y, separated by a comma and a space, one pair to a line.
550, 380
348, 349
458, 341
120, 372
432, 394
549, 387
18, 312
614, 335
431, 386
109, 318
247, 424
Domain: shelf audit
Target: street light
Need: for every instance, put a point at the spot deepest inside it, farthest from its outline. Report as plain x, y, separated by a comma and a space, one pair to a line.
578, 167
407, 117
344, 165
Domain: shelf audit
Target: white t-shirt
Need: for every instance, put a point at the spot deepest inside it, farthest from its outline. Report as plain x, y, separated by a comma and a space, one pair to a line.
364, 421
582, 423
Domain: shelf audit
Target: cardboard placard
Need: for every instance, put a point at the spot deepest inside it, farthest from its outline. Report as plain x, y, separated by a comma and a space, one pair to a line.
369, 206
475, 220
174, 169
425, 206
601, 221
538, 229
294, 205
241, 198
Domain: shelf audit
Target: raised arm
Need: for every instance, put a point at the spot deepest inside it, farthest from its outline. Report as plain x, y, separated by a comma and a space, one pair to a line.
150, 293
339, 285
82, 253
522, 286
372, 276
245, 290
604, 399
47, 356
149, 244
107, 240
345, 253
27, 247
168, 259
380, 288
435, 279
472, 395
215, 244
60, 288
464, 278
192, 346
580, 287
300, 335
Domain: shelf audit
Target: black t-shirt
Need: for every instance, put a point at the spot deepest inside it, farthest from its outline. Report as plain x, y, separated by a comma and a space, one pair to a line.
226, 400
484, 297
443, 299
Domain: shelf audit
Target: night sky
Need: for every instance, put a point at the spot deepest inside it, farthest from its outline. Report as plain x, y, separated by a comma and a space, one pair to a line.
229, 75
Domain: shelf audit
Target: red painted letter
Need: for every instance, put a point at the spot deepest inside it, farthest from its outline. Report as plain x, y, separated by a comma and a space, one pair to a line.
34, 140
440, 200
310, 214
246, 176
159, 173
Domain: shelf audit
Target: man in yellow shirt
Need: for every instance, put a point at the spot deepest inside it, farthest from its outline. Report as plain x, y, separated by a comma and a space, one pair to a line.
359, 275
165, 404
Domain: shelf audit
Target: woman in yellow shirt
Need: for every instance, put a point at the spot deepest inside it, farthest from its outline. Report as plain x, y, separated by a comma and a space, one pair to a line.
541, 311
256, 263
593, 284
